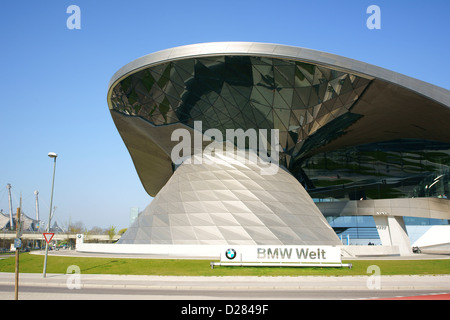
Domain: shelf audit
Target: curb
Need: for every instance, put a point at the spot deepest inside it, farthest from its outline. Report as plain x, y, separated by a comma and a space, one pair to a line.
227, 288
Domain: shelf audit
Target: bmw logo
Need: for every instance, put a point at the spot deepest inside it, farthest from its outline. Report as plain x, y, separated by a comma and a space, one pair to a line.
230, 254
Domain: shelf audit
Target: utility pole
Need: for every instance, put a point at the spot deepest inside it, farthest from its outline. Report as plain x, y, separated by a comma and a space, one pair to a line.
54, 156
17, 245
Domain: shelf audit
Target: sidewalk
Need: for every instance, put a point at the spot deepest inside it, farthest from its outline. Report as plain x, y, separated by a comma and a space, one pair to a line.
74, 253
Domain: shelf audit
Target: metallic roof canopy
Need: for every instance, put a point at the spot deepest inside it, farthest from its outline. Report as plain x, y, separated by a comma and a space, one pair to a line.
336, 62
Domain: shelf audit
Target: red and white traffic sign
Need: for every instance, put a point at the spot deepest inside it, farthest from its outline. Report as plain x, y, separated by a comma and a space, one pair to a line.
48, 237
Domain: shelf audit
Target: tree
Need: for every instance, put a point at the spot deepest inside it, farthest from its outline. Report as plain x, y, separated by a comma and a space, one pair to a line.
96, 230
76, 227
111, 232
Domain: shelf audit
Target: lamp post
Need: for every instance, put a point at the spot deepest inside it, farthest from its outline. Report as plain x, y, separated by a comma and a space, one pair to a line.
54, 156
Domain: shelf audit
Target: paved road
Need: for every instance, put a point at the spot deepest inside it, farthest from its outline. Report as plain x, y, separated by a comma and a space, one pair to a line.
123, 287
56, 286
55, 293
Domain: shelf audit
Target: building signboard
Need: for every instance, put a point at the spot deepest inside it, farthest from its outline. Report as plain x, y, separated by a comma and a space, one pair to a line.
280, 254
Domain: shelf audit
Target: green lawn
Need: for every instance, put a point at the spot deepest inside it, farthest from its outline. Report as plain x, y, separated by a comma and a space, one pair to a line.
30, 263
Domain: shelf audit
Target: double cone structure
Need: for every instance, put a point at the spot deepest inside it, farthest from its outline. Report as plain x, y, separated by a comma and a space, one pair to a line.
344, 129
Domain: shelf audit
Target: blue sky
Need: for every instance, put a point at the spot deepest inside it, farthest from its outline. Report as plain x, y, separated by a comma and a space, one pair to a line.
53, 81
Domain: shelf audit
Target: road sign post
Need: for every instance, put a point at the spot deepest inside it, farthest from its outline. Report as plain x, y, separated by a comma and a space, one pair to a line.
17, 243
48, 236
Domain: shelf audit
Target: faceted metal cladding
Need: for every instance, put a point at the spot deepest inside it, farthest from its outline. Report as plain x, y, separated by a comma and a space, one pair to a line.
227, 201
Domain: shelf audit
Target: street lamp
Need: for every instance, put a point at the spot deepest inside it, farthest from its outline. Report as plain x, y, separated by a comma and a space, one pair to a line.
54, 156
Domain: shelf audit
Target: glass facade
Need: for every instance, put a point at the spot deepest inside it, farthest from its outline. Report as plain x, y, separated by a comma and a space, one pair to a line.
309, 104
355, 229
404, 168
362, 229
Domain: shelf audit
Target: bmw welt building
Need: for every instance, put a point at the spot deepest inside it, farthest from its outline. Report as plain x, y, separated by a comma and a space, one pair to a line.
246, 143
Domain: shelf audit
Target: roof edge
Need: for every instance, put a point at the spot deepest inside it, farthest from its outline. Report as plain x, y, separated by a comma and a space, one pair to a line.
436, 93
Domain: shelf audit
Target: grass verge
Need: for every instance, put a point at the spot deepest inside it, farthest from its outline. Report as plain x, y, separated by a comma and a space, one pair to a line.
30, 263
